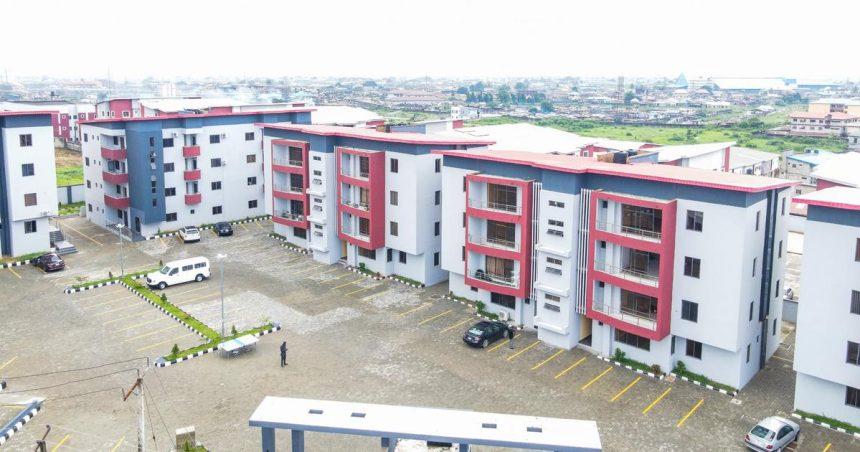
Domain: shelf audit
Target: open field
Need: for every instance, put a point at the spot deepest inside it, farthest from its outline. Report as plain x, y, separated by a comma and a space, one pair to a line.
70, 170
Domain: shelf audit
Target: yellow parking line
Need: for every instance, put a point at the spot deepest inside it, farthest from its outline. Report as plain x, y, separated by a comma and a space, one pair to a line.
345, 284
341, 276
243, 226
84, 235
375, 295
164, 342
594, 380
826, 447
626, 388
308, 270
13, 272
502, 343
162, 241
118, 443
558, 375
258, 224
690, 413
150, 333
8, 362
62, 441
456, 325
123, 318
538, 365
405, 313
138, 324
435, 317
656, 401
533, 344
359, 290
329, 271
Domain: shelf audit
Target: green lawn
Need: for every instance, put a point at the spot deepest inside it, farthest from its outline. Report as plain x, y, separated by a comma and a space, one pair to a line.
70, 209
70, 175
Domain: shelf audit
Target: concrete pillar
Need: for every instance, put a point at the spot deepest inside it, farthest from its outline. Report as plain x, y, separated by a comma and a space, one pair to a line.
268, 439
298, 440
383, 442
392, 444
464, 447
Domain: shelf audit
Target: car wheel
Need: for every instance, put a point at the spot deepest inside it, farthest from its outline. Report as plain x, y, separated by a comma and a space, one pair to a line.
162, 285
198, 278
485, 343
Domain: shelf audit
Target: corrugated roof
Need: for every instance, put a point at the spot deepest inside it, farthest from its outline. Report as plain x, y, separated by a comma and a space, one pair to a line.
843, 169
675, 152
834, 197
371, 134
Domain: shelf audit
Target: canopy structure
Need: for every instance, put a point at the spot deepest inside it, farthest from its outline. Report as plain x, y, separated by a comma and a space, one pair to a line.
393, 422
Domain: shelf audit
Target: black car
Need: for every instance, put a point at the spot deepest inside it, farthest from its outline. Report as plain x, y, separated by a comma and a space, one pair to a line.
484, 332
50, 262
223, 228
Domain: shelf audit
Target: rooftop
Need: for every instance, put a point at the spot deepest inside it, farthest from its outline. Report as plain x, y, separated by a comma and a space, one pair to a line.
342, 114
25, 113
538, 139
832, 100
812, 157
198, 115
811, 115
835, 197
843, 169
660, 173
682, 151
371, 134
742, 156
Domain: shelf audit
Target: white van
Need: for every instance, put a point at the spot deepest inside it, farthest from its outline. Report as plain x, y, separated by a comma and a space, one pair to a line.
178, 272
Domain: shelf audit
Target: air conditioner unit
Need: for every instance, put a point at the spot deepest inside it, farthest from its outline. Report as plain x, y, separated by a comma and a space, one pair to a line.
223, 163
503, 316
223, 135
175, 134
45, 213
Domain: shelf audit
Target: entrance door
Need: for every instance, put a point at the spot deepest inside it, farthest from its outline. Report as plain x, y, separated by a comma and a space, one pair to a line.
137, 224
343, 249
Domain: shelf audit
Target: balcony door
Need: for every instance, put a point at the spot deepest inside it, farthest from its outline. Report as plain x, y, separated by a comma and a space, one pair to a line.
636, 219
501, 197
498, 267
501, 233
295, 155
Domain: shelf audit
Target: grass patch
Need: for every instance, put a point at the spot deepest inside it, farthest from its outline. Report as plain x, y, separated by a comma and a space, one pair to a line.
23, 257
162, 302
114, 278
363, 269
283, 239
681, 370
406, 280
70, 209
830, 421
70, 175
622, 358
481, 307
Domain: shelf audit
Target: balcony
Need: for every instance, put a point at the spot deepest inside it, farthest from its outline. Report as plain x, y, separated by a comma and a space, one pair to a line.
190, 151
117, 202
502, 280
633, 317
358, 235
191, 174
496, 206
494, 242
290, 216
356, 205
628, 273
115, 177
114, 154
193, 198
288, 189
629, 231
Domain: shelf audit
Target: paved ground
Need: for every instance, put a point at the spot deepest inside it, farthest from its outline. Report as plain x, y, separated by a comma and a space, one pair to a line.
350, 338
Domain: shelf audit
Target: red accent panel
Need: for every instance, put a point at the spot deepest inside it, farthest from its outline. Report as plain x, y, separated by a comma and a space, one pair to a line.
280, 194
190, 151
192, 199
822, 184
375, 184
303, 224
114, 154
191, 174
117, 202
115, 178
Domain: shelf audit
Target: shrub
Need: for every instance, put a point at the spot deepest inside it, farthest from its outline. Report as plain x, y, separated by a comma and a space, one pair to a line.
233, 330
619, 355
163, 297
110, 275
175, 350
680, 367
656, 370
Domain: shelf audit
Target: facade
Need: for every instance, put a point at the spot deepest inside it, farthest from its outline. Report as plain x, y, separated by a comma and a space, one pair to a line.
64, 115
827, 349
163, 173
814, 124
28, 180
365, 197
608, 256
800, 167
147, 107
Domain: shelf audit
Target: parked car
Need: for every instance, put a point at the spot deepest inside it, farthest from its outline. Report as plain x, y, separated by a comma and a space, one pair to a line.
773, 433
484, 333
50, 262
189, 234
178, 272
223, 228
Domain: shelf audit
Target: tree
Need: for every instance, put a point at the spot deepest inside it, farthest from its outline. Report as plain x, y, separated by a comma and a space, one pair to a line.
504, 94
546, 106
463, 90
628, 97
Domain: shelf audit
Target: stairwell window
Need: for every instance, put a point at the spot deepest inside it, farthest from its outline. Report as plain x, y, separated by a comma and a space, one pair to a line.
689, 311
855, 302
394, 165
692, 267
438, 164
694, 220
29, 227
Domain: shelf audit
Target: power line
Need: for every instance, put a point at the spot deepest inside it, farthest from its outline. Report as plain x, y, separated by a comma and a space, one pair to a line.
83, 394
68, 382
157, 411
74, 370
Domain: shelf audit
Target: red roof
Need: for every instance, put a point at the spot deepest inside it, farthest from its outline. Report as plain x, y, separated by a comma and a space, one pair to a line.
836, 197
661, 173
372, 134
196, 115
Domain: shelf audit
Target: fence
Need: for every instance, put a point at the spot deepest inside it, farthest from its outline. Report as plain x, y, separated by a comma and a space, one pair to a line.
68, 194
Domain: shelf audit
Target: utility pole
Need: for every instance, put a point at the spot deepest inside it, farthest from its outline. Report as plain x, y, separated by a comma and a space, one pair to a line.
41, 445
141, 435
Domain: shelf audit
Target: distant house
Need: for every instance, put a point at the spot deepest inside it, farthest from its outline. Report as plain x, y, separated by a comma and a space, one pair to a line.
801, 165
843, 170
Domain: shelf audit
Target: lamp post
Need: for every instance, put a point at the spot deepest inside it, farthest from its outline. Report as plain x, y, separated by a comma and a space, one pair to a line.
119, 227
221, 258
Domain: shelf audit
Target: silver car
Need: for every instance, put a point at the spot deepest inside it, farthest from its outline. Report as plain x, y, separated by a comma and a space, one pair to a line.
773, 433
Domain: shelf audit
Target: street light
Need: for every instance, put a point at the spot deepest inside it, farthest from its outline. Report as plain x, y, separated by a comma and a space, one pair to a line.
221, 258
119, 227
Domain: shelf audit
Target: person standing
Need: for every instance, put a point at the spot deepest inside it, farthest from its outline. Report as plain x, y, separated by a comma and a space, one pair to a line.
283, 353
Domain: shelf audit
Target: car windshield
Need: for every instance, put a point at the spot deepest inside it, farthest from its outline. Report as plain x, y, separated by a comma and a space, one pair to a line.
190, 229
476, 331
165, 270
762, 432
53, 258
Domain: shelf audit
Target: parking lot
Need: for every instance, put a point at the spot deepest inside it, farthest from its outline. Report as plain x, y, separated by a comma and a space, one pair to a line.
349, 338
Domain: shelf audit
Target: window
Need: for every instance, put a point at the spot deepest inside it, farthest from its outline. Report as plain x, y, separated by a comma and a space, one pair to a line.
389, 255
779, 252
553, 270
694, 220
392, 227
87, 161
252, 204
556, 204
633, 340
26, 140
551, 307
463, 253
464, 219
167, 142
556, 223
252, 180
551, 297
783, 207
855, 301
552, 260
757, 220
250, 158
555, 232
507, 301
402, 257
694, 349
752, 308
853, 355
214, 139
748, 352
86, 138
216, 185
215, 163
300, 233
392, 198
151, 141
170, 217
464, 184
169, 167
370, 254
692, 266
754, 265
852, 396
773, 328
89, 207
436, 257
436, 228
89, 185
216, 210
393, 164
438, 164
29, 226
437, 197
249, 136
857, 251
28, 169
170, 191
317, 158
689, 311
30, 199
776, 292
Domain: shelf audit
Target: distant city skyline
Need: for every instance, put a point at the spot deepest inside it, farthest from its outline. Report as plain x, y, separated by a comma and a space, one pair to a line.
457, 39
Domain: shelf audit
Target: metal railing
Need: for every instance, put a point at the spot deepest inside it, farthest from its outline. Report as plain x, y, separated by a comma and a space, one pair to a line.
355, 205
494, 242
288, 188
281, 162
502, 280
502, 207
348, 173
291, 216
627, 273
630, 316
628, 230
295, 162
118, 172
358, 235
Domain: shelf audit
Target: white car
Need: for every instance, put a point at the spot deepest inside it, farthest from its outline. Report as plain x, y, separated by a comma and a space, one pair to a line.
178, 272
189, 234
773, 433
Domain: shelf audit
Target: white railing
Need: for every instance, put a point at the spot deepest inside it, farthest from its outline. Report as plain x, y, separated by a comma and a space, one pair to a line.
494, 242
502, 280
501, 207
356, 205
627, 273
349, 173
288, 188
628, 230
357, 235
294, 162
627, 315
281, 162
291, 216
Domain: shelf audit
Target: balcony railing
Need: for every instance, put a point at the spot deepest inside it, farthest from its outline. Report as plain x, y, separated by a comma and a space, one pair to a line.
359, 235
627, 273
114, 154
117, 202
288, 189
502, 280
193, 198
641, 319
295, 162
115, 176
356, 175
191, 174
356, 205
488, 205
291, 216
494, 242
628, 230
190, 151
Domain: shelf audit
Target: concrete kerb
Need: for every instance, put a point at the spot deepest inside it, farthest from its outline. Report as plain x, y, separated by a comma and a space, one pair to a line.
361, 273
204, 228
144, 298
286, 244
4, 436
417, 286
824, 424
706, 386
15, 264
477, 314
161, 362
69, 290
638, 371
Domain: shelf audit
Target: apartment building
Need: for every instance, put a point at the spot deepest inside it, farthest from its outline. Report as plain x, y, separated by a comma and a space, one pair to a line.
64, 115
664, 263
28, 180
163, 173
369, 198
827, 349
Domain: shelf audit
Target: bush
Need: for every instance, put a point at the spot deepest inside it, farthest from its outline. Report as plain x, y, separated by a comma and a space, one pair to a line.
110, 275
164, 297
233, 330
175, 350
680, 367
619, 355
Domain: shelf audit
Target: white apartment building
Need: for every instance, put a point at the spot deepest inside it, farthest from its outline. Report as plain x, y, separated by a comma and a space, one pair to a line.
365, 197
163, 173
28, 180
827, 349
608, 256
